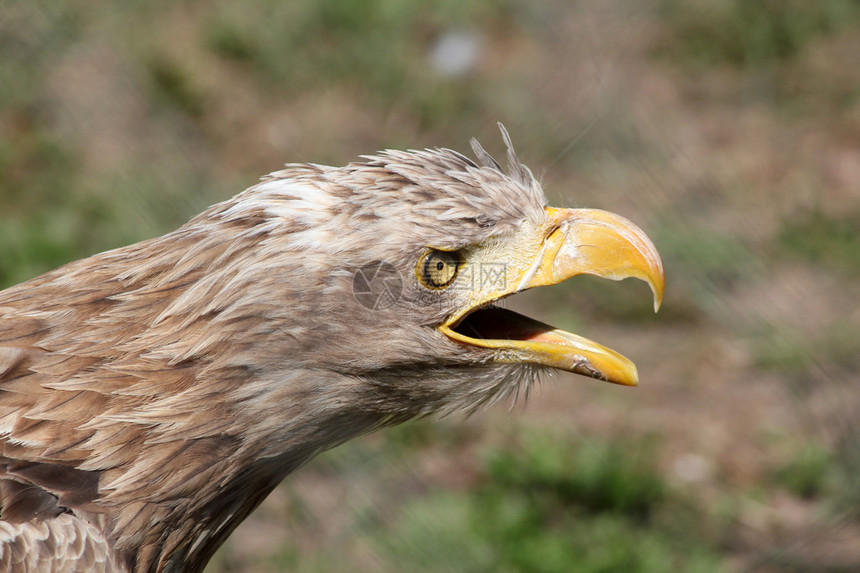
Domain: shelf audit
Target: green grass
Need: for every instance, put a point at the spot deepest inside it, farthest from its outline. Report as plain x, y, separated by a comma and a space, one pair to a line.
42, 223
788, 56
808, 473
593, 478
703, 266
742, 33
34, 36
173, 87
795, 352
554, 503
823, 241
52, 211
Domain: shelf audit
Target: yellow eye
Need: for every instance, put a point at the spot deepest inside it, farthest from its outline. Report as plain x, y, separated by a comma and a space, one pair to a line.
438, 269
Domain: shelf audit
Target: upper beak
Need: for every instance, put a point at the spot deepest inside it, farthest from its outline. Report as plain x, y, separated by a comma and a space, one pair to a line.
578, 241
595, 242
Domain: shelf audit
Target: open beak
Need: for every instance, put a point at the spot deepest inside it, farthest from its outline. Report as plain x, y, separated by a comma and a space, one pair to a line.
577, 241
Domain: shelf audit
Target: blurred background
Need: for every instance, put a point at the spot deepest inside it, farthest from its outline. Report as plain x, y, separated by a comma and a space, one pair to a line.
729, 130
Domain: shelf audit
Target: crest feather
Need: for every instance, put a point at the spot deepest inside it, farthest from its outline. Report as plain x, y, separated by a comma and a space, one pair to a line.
516, 170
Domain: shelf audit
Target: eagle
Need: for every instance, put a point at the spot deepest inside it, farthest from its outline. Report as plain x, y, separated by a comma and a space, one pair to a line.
153, 395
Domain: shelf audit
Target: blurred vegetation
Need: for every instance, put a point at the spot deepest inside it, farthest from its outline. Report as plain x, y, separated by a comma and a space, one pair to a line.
728, 130
809, 473
542, 504
819, 239
742, 33
551, 502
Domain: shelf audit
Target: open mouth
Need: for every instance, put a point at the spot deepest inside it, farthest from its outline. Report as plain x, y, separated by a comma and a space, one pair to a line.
496, 323
516, 338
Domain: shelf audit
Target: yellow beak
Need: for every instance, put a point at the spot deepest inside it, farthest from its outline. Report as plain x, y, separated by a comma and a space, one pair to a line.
577, 241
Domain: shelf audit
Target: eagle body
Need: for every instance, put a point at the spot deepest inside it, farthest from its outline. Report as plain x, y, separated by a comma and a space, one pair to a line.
153, 395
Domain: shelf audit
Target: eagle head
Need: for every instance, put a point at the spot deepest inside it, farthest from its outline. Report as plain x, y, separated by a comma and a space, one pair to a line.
391, 272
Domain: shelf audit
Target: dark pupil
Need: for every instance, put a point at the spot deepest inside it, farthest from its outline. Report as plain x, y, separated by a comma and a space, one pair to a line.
440, 265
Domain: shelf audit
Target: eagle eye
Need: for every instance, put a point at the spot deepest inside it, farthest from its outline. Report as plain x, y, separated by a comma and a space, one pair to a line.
438, 269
